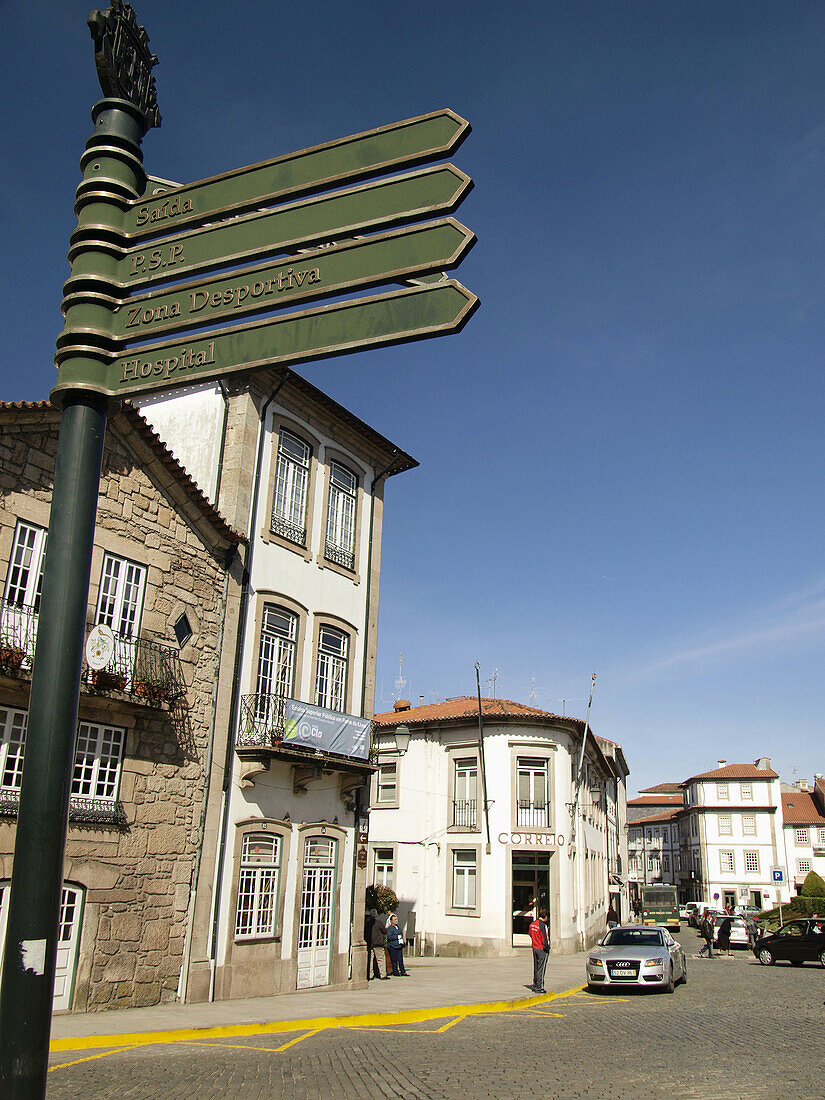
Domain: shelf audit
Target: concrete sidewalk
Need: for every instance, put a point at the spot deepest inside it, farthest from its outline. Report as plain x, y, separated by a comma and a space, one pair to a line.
432, 984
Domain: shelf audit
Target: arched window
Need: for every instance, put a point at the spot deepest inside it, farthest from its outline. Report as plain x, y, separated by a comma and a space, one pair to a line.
289, 502
260, 867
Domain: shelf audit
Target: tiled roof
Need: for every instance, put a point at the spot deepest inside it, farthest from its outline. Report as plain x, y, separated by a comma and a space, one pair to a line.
466, 707
669, 815
662, 788
800, 808
167, 460
734, 771
656, 800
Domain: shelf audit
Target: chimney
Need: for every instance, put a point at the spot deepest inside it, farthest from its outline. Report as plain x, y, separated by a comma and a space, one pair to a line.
721, 763
763, 763
421, 700
802, 785
401, 704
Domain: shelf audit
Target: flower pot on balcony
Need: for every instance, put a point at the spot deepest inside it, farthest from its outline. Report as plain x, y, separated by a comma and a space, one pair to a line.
151, 692
11, 657
105, 680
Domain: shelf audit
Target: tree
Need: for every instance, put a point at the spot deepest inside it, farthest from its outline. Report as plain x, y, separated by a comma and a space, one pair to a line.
381, 898
813, 886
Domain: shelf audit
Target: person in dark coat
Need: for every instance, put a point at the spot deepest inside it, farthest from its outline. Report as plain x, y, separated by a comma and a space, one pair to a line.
706, 930
612, 917
723, 936
374, 939
395, 946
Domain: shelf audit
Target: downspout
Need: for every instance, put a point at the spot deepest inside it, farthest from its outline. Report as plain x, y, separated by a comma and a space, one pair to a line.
357, 811
235, 700
219, 473
577, 865
481, 759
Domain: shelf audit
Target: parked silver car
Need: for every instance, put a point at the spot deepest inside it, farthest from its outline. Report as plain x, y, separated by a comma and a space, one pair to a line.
637, 955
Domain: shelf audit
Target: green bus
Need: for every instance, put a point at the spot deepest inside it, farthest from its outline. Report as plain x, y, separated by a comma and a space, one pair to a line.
660, 905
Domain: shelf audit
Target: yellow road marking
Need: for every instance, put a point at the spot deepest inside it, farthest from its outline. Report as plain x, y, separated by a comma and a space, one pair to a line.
310, 1026
88, 1058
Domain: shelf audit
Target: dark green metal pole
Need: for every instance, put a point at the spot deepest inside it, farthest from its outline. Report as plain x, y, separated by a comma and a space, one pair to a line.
113, 174
37, 878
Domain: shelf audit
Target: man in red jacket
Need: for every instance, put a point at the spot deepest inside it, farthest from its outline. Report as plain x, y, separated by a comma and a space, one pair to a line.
540, 939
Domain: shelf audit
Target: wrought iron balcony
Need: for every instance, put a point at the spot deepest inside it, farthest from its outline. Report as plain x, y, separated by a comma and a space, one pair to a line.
531, 815
286, 530
262, 721
148, 671
464, 813
336, 554
82, 811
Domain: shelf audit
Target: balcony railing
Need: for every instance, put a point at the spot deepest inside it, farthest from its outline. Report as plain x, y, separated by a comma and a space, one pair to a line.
82, 811
336, 554
531, 815
146, 670
464, 813
262, 721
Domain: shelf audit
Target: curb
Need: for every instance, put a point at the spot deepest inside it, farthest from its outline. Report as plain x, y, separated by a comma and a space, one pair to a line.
318, 1023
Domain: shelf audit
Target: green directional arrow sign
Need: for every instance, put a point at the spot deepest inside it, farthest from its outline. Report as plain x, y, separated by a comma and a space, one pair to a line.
319, 333
413, 141
309, 221
402, 253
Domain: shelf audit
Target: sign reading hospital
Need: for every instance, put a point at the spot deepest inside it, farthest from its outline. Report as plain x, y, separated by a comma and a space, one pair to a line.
310, 727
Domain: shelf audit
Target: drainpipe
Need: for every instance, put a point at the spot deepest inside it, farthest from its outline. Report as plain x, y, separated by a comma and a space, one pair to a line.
219, 473
357, 812
481, 760
235, 701
577, 866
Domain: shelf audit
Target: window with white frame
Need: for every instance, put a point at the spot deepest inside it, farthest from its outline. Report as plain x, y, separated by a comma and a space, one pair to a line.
383, 867
722, 792
694, 828
532, 793
803, 866
746, 790
260, 866
464, 879
464, 800
331, 670
803, 836
748, 825
387, 783
341, 506
97, 760
289, 500
725, 825
697, 862
727, 865
12, 747
276, 659
821, 838
120, 601
24, 579
666, 863
752, 862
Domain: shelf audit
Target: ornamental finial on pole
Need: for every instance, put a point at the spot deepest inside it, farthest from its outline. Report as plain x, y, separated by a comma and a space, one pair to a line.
124, 62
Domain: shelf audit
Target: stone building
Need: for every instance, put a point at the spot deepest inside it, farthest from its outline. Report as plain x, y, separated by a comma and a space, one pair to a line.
144, 747
280, 897
477, 822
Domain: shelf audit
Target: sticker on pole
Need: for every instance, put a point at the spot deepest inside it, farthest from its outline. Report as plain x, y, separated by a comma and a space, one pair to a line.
100, 646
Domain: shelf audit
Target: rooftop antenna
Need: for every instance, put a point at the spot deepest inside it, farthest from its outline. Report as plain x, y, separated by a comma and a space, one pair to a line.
533, 690
400, 682
492, 683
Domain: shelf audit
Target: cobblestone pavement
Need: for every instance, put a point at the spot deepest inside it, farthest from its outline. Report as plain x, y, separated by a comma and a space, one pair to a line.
736, 1030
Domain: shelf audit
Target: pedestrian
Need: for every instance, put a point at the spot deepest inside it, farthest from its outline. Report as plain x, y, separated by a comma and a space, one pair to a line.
723, 936
637, 909
395, 946
540, 941
376, 956
753, 930
706, 931
612, 917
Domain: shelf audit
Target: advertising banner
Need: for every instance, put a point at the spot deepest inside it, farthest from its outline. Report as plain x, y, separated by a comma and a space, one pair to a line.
312, 727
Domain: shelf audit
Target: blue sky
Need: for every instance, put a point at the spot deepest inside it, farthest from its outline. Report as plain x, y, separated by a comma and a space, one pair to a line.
622, 454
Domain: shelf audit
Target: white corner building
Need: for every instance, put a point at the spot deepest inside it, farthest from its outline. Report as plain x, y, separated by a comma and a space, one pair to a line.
478, 821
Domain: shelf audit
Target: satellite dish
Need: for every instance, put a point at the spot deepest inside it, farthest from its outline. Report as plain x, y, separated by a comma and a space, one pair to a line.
100, 646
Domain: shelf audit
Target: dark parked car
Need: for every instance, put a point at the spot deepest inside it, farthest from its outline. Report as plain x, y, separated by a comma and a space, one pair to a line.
797, 942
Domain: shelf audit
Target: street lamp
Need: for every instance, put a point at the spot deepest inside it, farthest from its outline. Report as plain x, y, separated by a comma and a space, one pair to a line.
402, 739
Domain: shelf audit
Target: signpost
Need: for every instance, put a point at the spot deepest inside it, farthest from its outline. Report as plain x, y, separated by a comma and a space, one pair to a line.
130, 240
